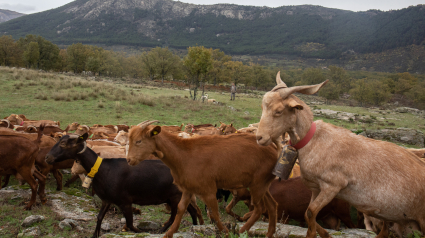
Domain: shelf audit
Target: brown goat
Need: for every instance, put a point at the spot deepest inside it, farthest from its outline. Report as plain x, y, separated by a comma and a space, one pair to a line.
17, 156
45, 140
378, 178
199, 168
293, 197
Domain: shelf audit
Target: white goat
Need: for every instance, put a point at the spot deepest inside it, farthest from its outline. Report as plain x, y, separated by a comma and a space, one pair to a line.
379, 178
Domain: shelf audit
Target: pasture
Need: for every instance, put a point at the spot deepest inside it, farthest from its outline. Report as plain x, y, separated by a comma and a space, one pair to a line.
70, 98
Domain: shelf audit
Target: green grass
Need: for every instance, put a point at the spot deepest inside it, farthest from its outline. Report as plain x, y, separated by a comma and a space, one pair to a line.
59, 98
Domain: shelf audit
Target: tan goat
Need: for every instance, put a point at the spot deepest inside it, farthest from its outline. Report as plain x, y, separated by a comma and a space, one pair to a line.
199, 168
378, 178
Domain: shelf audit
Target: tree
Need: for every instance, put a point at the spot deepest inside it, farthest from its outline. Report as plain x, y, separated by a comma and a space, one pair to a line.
165, 62
32, 55
312, 76
259, 76
235, 72
148, 64
77, 57
378, 92
10, 52
339, 77
360, 91
48, 52
331, 91
216, 72
198, 63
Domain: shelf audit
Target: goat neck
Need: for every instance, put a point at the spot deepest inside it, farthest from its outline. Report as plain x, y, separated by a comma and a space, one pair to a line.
87, 159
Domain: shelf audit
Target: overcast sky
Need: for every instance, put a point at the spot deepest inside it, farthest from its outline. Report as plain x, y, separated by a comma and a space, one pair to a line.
31, 6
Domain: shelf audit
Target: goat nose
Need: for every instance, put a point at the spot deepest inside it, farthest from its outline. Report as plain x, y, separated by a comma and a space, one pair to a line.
258, 138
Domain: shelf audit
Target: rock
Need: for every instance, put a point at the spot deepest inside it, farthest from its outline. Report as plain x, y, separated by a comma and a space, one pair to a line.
65, 171
105, 226
30, 232
148, 226
31, 220
403, 135
68, 223
259, 229
345, 116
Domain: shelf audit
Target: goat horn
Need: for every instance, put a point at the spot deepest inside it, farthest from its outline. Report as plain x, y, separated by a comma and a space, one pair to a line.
307, 89
279, 80
146, 123
7, 121
141, 123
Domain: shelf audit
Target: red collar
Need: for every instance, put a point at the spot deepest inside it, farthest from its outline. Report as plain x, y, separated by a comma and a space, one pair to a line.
306, 138
22, 122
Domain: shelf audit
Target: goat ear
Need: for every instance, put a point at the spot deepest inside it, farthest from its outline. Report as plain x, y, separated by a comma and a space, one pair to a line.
155, 131
231, 125
294, 104
83, 138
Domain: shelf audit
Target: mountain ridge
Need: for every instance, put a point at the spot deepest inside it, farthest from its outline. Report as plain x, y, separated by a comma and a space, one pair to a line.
303, 30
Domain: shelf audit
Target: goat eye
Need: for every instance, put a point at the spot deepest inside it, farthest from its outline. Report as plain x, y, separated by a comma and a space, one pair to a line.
139, 141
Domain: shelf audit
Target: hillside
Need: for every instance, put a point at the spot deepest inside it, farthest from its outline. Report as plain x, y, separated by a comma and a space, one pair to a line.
6, 15
306, 30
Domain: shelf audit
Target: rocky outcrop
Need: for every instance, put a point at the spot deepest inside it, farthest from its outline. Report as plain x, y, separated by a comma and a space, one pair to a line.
401, 135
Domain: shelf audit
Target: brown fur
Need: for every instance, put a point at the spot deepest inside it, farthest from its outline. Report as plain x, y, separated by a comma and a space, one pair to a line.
17, 156
45, 140
198, 167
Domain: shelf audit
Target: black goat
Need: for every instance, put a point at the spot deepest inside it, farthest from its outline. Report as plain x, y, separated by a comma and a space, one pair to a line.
149, 183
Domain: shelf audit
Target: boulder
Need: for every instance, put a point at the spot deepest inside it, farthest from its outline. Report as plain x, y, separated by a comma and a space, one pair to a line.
105, 226
31, 220
68, 223
30, 232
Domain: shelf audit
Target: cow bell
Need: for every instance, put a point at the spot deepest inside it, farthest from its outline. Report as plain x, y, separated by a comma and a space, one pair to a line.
87, 182
285, 162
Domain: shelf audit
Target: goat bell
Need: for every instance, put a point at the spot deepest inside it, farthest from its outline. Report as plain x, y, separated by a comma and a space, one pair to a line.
286, 162
87, 182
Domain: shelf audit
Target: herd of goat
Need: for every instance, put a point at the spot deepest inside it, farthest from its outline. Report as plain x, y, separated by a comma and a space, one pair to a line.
174, 165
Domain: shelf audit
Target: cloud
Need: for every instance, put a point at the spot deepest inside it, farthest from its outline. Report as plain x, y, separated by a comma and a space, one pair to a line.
18, 7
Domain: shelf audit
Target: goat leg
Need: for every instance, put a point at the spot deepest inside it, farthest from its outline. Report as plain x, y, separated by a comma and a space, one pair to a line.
384, 231
128, 214
181, 208
6, 180
100, 216
232, 204
317, 202
71, 180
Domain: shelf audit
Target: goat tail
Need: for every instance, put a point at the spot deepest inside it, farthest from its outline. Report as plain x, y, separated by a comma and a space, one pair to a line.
39, 134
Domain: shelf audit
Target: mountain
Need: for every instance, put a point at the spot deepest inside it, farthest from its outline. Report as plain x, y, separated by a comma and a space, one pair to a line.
6, 15
306, 30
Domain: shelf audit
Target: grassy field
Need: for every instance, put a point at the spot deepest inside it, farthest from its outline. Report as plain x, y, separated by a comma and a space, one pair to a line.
68, 99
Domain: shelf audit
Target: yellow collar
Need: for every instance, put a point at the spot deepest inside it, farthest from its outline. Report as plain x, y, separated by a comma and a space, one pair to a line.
95, 167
